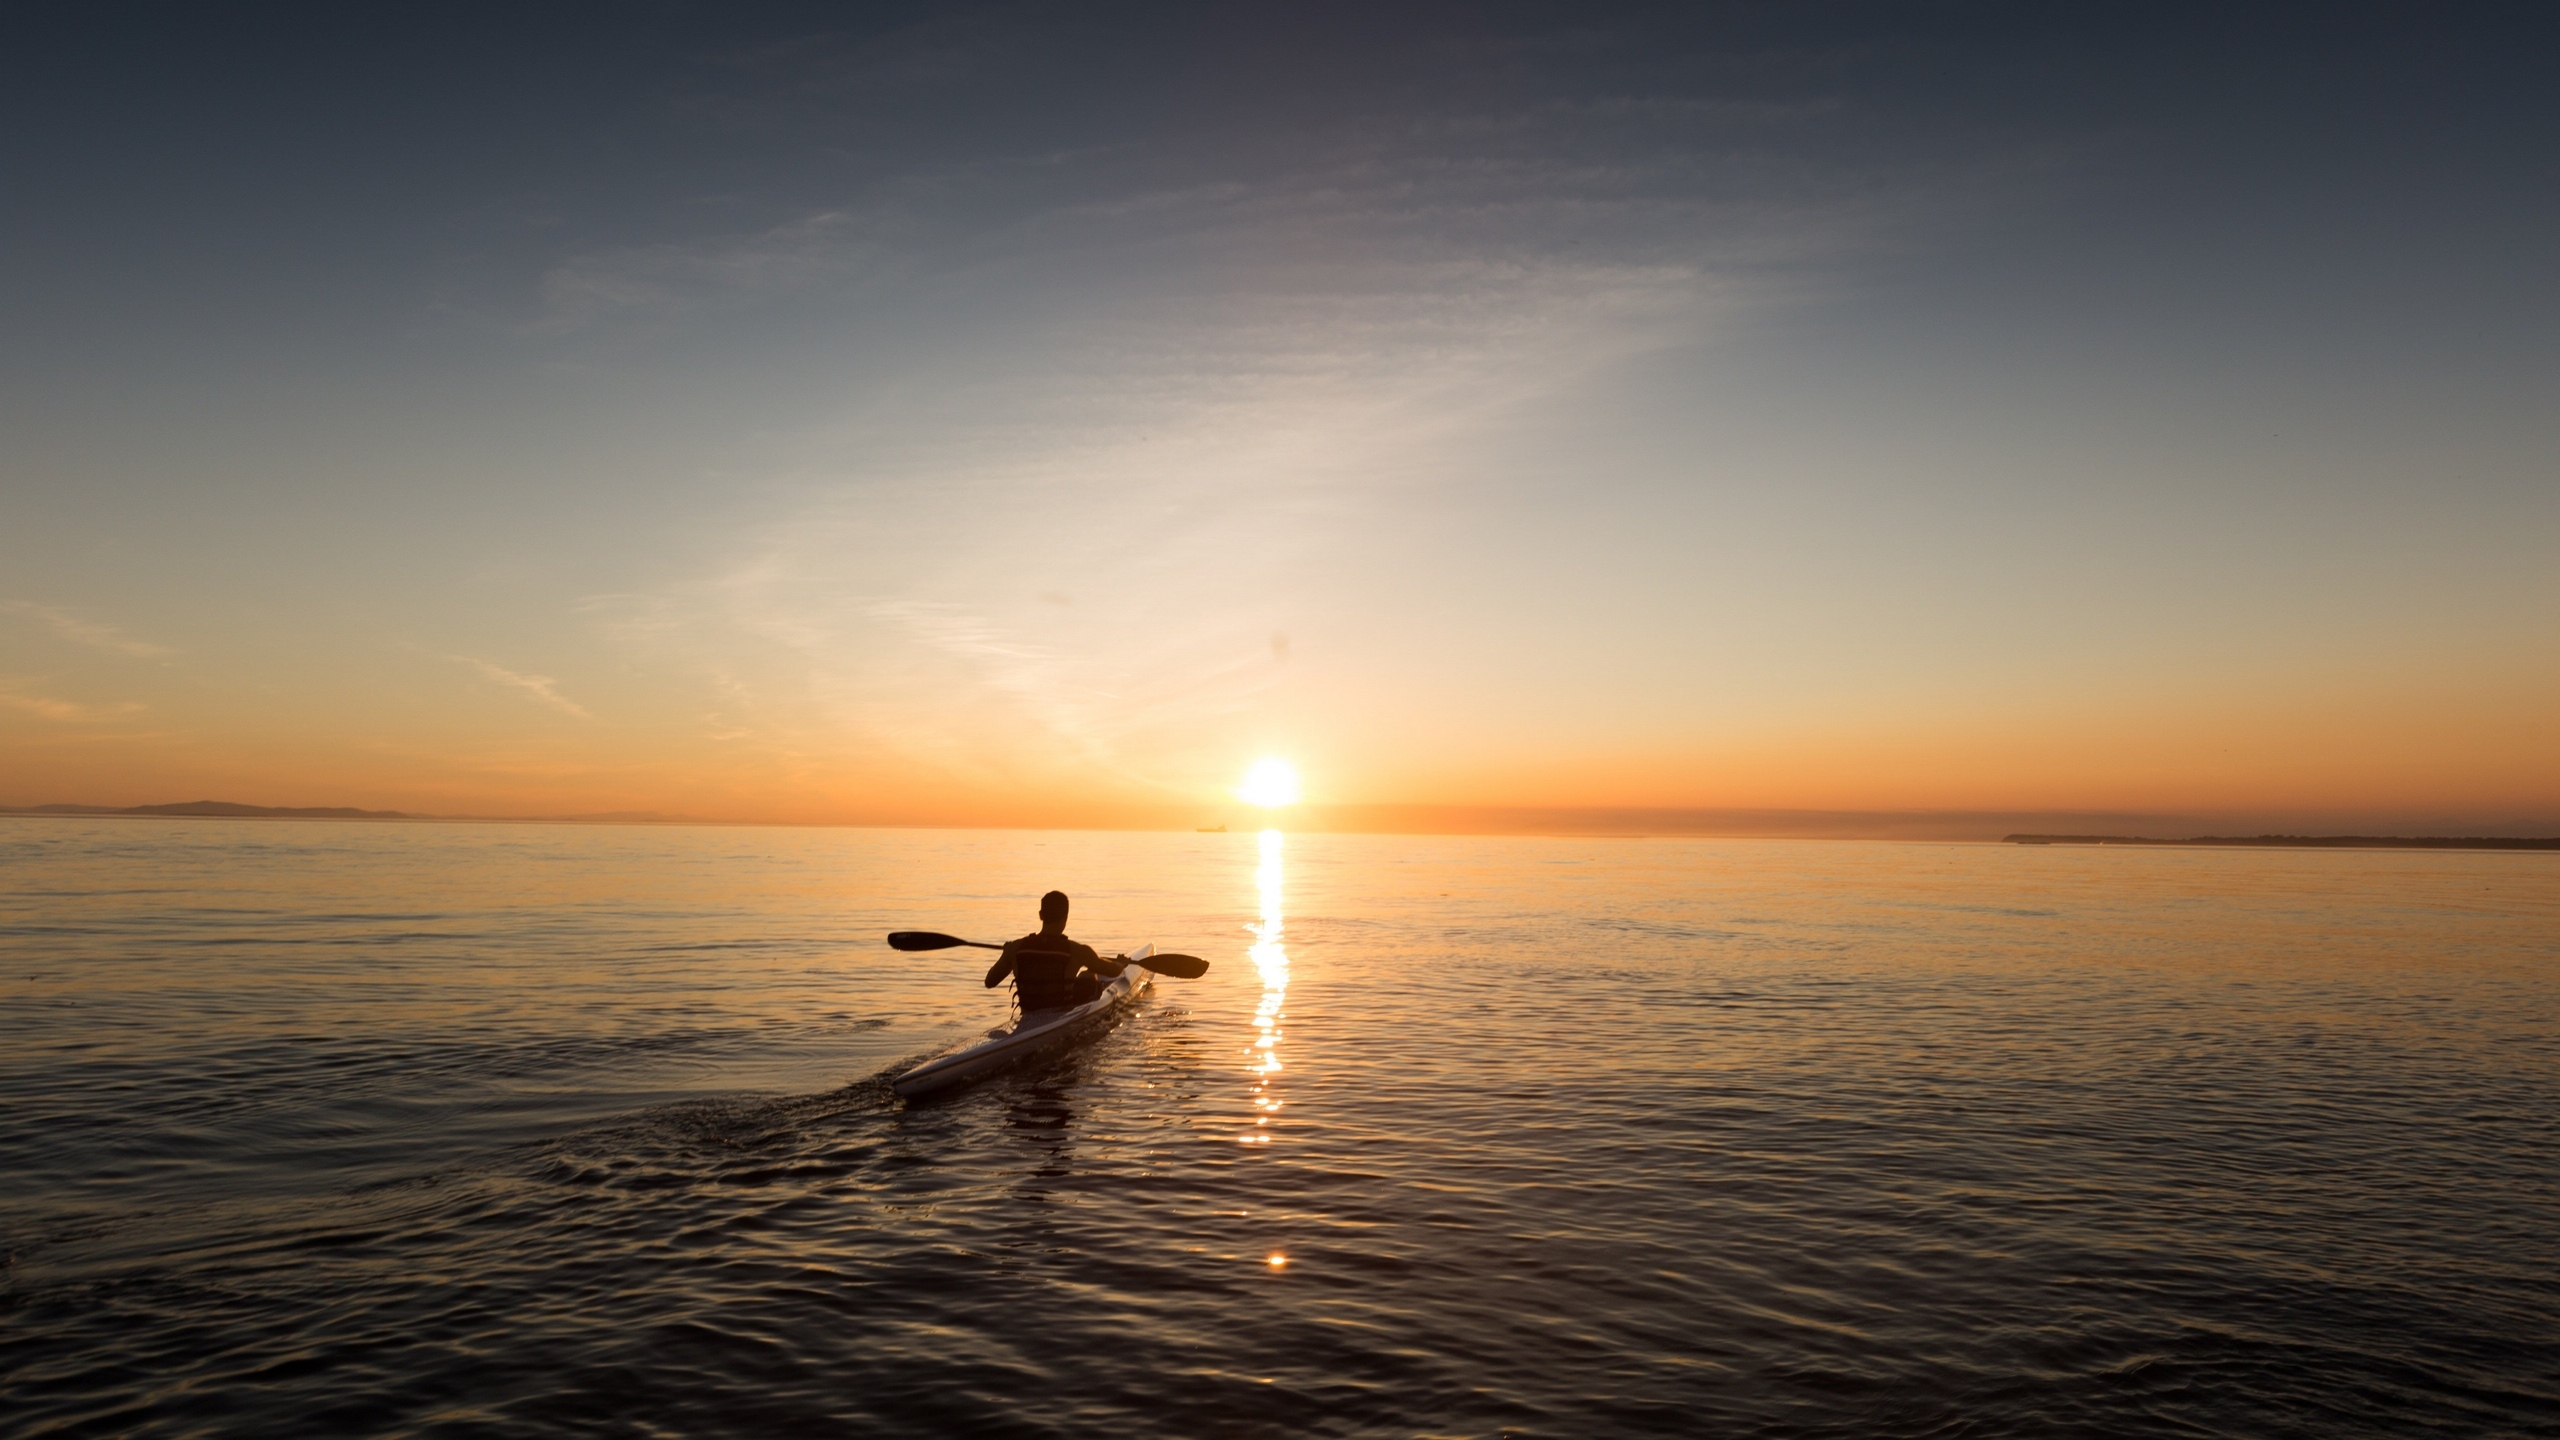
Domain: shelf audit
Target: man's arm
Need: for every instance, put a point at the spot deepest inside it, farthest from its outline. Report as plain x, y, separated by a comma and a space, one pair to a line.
1094, 962
1000, 969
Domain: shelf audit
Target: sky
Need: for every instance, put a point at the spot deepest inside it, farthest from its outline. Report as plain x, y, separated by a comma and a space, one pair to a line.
1033, 414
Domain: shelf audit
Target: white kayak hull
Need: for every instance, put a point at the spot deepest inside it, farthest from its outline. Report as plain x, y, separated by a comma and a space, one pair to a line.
1029, 1037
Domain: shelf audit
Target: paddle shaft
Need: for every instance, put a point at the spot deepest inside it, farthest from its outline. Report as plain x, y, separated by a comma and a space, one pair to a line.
1181, 967
950, 941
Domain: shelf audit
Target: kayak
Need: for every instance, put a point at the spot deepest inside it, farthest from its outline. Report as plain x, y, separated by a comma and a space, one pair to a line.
1029, 1036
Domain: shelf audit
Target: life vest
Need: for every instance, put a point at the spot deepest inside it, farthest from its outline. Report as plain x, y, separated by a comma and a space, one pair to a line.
1044, 971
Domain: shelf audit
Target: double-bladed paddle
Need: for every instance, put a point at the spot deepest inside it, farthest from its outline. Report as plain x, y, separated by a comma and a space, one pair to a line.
1180, 967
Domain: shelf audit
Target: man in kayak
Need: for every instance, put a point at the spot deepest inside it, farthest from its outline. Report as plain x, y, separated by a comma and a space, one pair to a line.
1049, 970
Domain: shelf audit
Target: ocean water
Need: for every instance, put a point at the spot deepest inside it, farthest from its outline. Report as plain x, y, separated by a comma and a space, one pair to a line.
344, 1129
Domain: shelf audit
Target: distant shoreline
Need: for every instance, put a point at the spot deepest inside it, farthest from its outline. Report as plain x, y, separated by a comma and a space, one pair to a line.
232, 810
2306, 842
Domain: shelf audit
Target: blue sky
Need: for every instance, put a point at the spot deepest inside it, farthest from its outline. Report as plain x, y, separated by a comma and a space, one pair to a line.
1028, 413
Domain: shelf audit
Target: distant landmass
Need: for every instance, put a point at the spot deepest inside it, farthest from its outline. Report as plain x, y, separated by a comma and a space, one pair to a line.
226, 809
1635, 821
233, 810
2308, 842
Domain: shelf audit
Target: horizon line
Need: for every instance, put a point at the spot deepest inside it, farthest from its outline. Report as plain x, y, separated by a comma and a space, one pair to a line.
1408, 818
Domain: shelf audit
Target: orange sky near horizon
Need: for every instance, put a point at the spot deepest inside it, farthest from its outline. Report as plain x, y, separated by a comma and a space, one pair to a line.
2354, 758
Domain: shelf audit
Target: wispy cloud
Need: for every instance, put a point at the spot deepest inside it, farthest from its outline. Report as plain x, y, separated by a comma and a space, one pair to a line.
1184, 385
1192, 460
68, 712
540, 687
1615, 182
96, 634
590, 287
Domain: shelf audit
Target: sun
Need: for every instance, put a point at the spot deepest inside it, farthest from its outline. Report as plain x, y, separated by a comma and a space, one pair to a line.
1271, 782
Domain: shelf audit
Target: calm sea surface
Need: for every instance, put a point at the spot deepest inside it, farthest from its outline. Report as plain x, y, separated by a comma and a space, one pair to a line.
339, 1129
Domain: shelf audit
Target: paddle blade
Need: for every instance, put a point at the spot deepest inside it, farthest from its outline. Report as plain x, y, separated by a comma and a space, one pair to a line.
922, 940
1180, 967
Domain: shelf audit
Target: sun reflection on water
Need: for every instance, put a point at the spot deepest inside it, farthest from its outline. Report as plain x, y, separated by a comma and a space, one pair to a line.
1271, 959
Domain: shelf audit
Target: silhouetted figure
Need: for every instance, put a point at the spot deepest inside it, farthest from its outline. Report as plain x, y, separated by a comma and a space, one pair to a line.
1049, 970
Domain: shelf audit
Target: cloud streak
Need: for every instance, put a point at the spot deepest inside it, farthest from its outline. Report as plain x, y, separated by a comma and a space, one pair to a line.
784, 258
1224, 369
69, 712
541, 687
95, 634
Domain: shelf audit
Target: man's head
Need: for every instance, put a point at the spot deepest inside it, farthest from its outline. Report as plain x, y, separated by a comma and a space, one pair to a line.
1053, 910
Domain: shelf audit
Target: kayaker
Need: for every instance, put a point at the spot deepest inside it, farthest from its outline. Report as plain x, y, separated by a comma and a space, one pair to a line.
1049, 970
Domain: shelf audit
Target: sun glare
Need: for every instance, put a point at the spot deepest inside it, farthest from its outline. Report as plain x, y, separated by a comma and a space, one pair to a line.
1271, 781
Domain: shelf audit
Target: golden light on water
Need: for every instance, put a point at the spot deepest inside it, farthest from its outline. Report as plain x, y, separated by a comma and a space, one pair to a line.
1272, 782
1271, 962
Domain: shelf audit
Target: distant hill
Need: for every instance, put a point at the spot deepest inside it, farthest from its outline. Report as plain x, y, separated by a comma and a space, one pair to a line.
226, 809
2308, 842
233, 810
